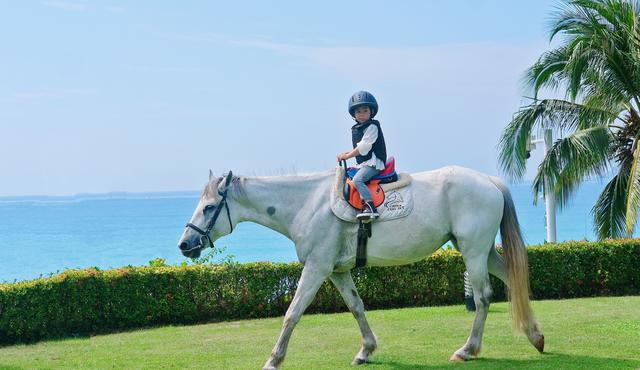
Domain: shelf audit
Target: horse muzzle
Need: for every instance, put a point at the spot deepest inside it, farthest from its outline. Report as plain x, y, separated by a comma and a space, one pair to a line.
191, 250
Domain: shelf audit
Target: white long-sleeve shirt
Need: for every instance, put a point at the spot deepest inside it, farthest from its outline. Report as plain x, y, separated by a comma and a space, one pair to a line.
364, 147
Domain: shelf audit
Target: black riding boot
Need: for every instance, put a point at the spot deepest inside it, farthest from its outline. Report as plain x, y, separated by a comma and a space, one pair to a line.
369, 212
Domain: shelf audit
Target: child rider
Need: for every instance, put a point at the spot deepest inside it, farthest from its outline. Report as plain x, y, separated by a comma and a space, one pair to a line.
369, 148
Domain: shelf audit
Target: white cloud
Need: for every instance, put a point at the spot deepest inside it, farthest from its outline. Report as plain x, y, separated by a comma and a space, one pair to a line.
414, 64
443, 65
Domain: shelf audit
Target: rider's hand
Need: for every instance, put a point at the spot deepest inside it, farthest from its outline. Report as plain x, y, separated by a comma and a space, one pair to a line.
348, 154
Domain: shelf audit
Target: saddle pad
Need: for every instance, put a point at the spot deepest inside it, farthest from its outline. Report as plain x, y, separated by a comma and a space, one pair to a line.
398, 199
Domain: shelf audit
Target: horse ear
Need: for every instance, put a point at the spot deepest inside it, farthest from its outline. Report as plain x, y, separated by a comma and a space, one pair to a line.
225, 183
210, 174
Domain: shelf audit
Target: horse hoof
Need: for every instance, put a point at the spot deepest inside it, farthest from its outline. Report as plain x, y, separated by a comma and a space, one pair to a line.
358, 361
540, 344
456, 358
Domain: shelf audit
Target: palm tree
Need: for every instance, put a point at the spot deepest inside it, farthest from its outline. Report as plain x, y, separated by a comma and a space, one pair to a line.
597, 65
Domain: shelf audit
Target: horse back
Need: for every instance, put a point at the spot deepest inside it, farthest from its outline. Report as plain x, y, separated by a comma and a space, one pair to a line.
464, 198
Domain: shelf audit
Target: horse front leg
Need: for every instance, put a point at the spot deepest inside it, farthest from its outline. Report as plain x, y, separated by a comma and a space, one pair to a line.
345, 285
310, 281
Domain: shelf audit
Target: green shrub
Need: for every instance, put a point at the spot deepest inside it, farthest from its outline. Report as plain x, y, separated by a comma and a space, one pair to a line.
585, 269
82, 302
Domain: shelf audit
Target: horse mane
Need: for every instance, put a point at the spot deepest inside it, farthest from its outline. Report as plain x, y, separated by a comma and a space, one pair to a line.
236, 187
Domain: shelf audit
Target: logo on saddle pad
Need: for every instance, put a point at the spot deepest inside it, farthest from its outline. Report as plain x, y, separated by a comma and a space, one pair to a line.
394, 202
395, 198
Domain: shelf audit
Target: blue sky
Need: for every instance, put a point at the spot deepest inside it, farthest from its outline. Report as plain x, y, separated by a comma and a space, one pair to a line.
148, 95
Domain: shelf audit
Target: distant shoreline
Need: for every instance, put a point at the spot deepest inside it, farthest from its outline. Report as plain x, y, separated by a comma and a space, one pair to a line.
99, 196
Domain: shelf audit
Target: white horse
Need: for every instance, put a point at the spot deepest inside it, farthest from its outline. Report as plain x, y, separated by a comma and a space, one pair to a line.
450, 204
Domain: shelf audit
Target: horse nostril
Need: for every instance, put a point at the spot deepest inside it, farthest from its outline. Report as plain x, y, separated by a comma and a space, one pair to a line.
184, 246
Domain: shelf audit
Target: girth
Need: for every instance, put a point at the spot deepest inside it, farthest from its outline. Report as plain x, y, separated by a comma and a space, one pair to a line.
364, 233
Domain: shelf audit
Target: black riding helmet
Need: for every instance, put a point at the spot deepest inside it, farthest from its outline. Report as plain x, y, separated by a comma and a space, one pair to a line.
363, 98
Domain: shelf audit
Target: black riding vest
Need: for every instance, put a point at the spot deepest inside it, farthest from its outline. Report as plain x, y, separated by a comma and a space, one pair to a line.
379, 147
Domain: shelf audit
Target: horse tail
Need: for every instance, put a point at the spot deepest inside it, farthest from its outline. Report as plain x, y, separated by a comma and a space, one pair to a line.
515, 255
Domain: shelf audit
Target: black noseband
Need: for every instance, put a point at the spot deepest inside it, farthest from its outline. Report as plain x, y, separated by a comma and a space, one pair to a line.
204, 234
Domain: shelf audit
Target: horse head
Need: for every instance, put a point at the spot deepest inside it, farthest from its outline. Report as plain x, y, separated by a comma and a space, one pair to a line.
206, 225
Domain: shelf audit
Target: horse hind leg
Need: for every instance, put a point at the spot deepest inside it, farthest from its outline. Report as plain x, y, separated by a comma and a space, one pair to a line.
345, 285
479, 278
497, 268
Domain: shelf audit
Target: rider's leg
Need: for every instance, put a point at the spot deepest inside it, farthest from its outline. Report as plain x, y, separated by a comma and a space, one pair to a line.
364, 174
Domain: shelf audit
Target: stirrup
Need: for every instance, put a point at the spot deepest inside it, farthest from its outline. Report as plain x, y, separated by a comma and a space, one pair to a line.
371, 215
364, 217
368, 213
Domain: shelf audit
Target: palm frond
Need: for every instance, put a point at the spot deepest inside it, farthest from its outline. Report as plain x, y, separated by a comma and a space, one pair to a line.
575, 68
602, 40
546, 72
558, 115
570, 160
633, 191
609, 210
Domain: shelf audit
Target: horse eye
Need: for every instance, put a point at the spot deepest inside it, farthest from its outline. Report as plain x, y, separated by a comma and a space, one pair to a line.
208, 208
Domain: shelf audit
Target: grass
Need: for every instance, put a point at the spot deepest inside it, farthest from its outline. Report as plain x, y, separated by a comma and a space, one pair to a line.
593, 333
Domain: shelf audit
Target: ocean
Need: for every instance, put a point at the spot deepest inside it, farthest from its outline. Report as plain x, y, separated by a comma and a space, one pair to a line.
41, 235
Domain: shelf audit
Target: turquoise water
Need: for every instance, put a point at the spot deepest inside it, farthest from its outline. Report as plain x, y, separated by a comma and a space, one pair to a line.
42, 235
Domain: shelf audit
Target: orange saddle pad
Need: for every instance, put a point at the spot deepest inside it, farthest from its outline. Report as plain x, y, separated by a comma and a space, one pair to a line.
353, 196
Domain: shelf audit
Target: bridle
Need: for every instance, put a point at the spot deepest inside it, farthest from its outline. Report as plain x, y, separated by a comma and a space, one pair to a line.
204, 234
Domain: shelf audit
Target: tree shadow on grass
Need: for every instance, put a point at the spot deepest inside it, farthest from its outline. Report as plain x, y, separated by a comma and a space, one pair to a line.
546, 361
53, 339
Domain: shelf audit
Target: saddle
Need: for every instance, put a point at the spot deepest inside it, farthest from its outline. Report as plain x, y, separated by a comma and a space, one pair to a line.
395, 207
386, 176
398, 198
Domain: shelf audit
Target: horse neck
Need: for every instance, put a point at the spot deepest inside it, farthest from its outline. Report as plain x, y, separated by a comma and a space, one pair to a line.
275, 201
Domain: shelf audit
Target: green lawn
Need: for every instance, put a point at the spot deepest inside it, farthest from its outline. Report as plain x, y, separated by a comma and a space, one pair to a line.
594, 333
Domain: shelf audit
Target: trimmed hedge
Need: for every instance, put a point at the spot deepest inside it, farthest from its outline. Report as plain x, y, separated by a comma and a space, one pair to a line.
82, 302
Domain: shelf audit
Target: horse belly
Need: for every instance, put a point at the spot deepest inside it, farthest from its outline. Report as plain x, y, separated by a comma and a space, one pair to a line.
412, 238
390, 246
